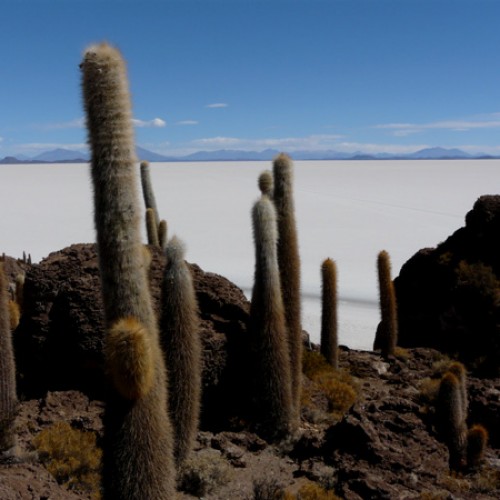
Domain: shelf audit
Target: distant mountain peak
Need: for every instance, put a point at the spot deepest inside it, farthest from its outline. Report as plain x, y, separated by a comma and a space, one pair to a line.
61, 155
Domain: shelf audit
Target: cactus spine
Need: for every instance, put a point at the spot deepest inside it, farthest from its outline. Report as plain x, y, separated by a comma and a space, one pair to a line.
268, 328
138, 461
388, 332
451, 420
289, 266
329, 331
8, 396
179, 326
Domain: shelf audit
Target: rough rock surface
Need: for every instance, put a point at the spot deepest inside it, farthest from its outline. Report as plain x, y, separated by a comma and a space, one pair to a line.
384, 447
449, 296
59, 341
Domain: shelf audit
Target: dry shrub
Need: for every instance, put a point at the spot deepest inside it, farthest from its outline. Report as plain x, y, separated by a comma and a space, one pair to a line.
71, 456
401, 353
313, 491
270, 489
338, 387
340, 395
313, 363
204, 472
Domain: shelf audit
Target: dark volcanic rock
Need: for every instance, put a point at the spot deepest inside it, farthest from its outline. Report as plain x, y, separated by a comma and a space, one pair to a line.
59, 340
449, 297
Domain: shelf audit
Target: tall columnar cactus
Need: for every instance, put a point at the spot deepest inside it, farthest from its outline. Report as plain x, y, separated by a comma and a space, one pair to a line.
289, 266
329, 332
268, 328
387, 335
266, 183
8, 397
147, 189
138, 458
179, 326
451, 420
152, 227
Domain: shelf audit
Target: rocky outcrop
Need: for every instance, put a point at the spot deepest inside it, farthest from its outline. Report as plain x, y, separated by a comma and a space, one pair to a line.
59, 340
449, 296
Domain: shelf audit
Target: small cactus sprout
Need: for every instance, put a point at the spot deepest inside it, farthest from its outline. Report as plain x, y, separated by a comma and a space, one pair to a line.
8, 397
137, 446
329, 332
127, 351
179, 326
387, 335
289, 266
477, 439
268, 329
152, 227
162, 234
451, 420
266, 183
147, 189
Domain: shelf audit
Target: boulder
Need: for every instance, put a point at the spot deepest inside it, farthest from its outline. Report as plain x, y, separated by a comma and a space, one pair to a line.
59, 340
449, 296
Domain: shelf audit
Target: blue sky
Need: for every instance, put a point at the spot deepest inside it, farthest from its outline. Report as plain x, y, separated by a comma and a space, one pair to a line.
350, 75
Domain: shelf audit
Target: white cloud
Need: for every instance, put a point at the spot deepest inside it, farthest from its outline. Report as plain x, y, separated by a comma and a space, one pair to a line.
312, 142
217, 105
404, 129
187, 122
155, 122
217, 141
76, 123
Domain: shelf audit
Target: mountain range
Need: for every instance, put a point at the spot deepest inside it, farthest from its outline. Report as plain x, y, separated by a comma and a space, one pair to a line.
70, 156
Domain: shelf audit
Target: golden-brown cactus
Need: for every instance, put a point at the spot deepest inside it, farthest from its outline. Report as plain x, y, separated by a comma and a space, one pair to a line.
138, 458
179, 326
477, 439
387, 335
329, 334
451, 420
129, 358
268, 329
289, 266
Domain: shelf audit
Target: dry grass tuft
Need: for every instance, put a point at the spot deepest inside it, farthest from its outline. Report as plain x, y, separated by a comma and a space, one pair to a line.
72, 457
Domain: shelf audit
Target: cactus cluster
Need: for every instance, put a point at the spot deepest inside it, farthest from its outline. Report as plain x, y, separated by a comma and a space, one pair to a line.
465, 446
156, 228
